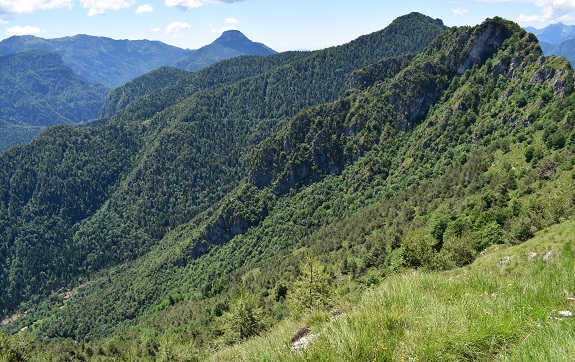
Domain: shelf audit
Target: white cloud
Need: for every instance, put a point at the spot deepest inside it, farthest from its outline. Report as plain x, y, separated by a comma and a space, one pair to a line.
146, 8
23, 30
551, 10
460, 12
176, 27
155, 30
194, 4
17, 7
100, 7
232, 25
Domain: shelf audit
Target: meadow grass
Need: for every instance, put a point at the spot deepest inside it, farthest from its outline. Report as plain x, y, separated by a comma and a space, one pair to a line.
505, 306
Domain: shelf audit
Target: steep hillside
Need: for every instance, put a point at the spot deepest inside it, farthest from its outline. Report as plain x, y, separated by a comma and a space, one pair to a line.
431, 160
172, 163
39, 90
502, 306
119, 98
290, 81
230, 44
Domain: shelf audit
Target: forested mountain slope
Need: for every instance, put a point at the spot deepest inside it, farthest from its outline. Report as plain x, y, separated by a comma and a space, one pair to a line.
76, 201
430, 160
38, 90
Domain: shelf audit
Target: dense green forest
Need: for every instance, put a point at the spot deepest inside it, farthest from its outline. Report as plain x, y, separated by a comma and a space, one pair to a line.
39, 90
170, 166
252, 207
56, 81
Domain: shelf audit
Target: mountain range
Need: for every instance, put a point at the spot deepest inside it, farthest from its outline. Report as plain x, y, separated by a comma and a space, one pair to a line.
66, 77
557, 39
111, 62
229, 212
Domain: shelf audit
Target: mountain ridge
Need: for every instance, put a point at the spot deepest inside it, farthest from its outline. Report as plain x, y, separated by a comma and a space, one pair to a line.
100, 60
113, 62
440, 152
553, 33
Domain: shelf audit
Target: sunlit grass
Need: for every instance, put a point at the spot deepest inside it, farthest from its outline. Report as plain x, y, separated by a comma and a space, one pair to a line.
502, 307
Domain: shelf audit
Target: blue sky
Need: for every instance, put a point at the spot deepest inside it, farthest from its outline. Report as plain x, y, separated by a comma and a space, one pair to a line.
280, 24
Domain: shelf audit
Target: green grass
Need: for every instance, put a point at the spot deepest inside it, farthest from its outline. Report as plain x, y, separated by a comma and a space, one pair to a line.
504, 306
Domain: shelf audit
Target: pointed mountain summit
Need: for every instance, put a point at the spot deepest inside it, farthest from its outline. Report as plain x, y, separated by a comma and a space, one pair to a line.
235, 39
230, 44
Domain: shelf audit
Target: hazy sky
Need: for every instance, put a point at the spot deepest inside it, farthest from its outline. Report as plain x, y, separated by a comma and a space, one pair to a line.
280, 24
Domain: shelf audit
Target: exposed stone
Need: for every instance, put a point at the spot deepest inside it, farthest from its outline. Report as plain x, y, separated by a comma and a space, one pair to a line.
542, 75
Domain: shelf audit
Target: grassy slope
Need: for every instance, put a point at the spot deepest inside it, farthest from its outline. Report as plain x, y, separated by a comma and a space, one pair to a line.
503, 306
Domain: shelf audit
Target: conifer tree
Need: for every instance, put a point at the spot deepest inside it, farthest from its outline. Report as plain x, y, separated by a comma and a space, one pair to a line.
312, 289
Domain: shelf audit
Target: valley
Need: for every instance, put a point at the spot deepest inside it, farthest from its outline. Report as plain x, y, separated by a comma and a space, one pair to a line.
404, 196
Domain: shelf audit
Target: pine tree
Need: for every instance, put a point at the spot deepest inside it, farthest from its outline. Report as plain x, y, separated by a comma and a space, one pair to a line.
312, 289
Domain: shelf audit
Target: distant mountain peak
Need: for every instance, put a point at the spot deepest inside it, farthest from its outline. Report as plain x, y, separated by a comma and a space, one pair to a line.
231, 43
232, 36
235, 39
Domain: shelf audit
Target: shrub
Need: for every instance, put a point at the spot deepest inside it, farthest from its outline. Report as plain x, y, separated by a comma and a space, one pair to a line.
438, 222
244, 318
556, 140
533, 154
457, 227
487, 235
418, 248
457, 251
312, 289
522, 229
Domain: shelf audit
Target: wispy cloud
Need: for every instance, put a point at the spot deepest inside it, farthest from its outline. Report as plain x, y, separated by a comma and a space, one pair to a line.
460, 12
195, 4
23, 30
176, 27
146, 8
551, 10
100, 7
